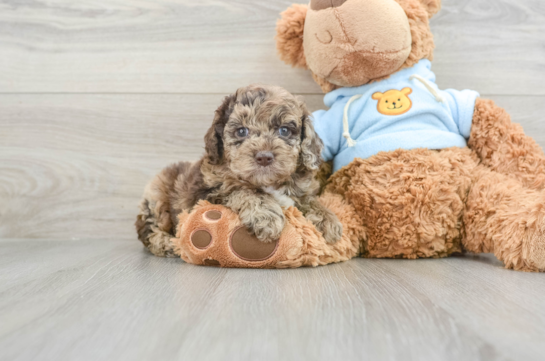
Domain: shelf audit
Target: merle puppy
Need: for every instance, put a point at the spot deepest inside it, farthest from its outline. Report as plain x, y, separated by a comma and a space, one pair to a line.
262, 155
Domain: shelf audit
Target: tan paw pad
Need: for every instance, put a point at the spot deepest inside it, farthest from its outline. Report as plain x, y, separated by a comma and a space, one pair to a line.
211, 262
249, 248
201, 239
213, 216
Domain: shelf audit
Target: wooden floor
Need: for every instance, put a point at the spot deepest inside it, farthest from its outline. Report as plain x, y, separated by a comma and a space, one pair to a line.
109, 300
97, 96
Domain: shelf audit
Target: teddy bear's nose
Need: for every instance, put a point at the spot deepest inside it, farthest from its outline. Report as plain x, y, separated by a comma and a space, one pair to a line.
324, 4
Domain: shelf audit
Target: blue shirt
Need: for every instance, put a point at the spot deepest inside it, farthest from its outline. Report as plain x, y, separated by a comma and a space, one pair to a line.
398, 112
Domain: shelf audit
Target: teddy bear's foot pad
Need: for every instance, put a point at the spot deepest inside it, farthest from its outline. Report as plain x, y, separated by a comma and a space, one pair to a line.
211, 263
213, 215
249, 248
201, 239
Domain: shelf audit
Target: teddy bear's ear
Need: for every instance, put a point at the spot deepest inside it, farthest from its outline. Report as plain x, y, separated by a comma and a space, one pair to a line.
289, 36
432, 6
377, 96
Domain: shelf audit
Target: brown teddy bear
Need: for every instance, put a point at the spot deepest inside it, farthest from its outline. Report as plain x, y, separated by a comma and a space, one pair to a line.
419, 172
430, 172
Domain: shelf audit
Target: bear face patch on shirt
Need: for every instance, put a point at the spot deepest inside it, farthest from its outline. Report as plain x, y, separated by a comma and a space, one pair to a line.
394, 102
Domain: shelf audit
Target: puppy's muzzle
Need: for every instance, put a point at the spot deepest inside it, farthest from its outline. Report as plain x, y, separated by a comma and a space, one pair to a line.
264, 159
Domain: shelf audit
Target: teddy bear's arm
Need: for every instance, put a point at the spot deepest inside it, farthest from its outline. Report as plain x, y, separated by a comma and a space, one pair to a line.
502, 145
504, 217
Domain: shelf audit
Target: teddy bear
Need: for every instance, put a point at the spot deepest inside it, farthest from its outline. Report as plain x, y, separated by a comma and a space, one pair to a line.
430, 172
417, 172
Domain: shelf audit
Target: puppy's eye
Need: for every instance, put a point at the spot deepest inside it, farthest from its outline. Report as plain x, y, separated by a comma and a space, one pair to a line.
284, 132
242, 132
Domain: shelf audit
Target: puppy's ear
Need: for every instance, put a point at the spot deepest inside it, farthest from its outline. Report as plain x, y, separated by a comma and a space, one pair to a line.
432, 6
213, 139
311, 144
289, 36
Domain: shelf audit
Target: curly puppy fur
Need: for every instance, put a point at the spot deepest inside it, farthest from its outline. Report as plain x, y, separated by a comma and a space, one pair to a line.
426, 203
256, 121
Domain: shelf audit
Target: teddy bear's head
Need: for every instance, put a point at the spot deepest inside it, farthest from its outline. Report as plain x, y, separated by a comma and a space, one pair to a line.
394, 102
348, 43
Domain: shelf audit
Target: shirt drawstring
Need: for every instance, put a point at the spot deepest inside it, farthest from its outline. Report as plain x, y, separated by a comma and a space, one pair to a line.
430, 88
346, 129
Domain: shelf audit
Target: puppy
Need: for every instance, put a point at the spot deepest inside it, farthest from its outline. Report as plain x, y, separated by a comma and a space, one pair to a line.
262, 155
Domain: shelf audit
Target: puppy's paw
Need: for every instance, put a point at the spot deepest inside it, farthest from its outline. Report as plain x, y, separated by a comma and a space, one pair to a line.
329, 225
331, 228
266, 224
326, 222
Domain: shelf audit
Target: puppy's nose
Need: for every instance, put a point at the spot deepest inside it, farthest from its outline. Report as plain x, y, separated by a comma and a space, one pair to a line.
264, 158
324, 4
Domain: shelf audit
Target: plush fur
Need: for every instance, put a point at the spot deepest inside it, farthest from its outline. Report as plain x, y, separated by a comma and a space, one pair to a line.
503, 147
289, 39
413, 201
255, 121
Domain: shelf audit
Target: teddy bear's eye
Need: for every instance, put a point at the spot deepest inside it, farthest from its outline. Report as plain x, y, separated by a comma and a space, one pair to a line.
399, 100
386, 101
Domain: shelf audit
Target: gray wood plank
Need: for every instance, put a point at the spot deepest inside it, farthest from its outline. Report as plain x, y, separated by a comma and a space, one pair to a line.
75, 166
110, 300
183, 46
492, 46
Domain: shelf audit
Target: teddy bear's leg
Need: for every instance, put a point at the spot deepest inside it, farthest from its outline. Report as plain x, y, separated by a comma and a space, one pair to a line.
411, 201
505, 217
503, 147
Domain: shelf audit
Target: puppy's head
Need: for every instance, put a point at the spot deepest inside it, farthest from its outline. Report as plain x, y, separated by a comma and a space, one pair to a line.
263, 135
